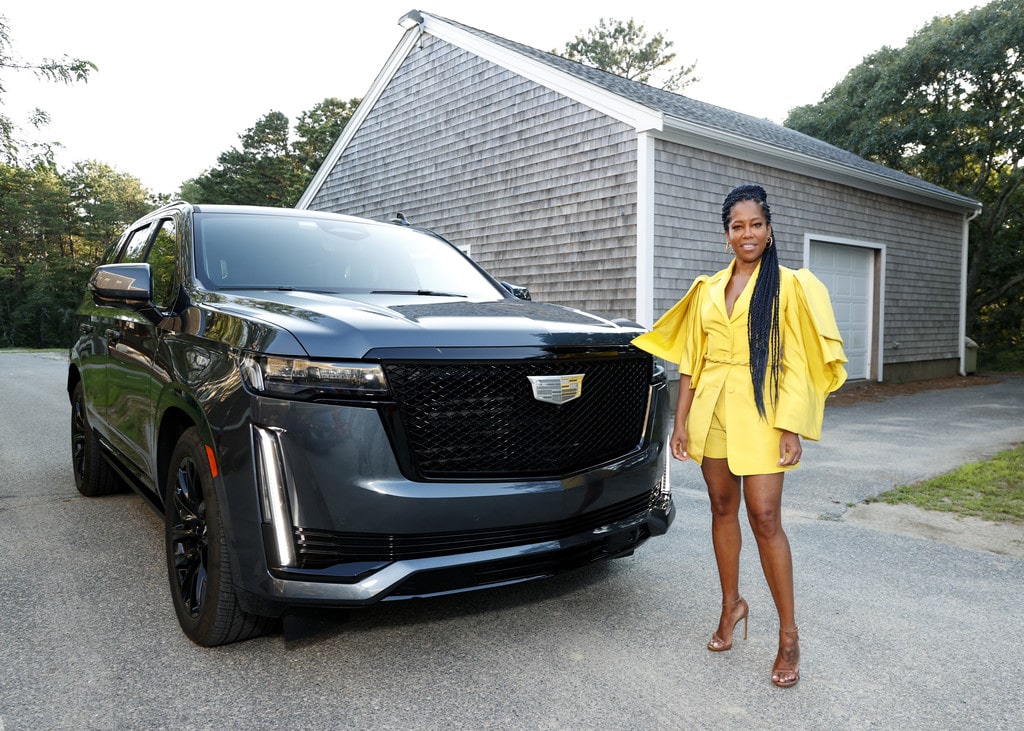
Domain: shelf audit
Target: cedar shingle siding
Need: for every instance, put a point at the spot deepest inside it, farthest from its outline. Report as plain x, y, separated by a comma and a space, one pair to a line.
535, 163
923, 244
541, 188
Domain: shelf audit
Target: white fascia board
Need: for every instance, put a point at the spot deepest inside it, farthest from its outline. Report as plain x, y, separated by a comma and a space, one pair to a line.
735, 145
394, 62
641, 117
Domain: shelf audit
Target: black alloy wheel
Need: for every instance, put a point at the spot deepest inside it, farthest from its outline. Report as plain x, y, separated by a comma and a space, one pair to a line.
198, 563
93, 476
189, 546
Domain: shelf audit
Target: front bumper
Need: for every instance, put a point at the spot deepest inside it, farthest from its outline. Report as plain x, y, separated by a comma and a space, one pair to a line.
423, 577
335, 522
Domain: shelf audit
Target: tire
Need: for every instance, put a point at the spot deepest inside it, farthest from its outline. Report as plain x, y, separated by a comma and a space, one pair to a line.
93, 475
198, 562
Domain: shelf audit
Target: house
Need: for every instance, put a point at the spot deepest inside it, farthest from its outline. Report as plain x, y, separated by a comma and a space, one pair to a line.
604, 194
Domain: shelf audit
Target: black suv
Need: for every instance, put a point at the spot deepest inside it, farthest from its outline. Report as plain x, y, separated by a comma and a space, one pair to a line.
332, 411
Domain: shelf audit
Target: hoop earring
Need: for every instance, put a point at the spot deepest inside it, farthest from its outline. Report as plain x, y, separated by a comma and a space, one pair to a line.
728, 247
771, 240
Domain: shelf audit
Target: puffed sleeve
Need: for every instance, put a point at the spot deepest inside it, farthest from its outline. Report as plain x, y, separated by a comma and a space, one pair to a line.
813, 357
677, 336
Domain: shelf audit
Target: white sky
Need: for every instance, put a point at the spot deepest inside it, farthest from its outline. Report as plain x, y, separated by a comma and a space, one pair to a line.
180, 80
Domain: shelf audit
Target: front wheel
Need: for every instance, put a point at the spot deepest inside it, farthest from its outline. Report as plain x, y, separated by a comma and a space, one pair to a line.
198, 563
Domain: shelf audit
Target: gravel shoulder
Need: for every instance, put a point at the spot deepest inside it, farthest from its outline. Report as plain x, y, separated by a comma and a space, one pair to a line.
963, 531
1004, 538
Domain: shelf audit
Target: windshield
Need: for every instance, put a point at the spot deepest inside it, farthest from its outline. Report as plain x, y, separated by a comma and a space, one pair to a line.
245, 251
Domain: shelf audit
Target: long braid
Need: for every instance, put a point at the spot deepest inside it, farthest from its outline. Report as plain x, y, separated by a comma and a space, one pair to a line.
763, 336
763, 330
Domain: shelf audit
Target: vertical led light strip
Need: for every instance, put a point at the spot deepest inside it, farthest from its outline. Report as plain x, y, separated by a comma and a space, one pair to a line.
273, 493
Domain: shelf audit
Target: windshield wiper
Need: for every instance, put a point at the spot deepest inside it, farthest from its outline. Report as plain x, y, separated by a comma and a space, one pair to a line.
418, 292
275, 288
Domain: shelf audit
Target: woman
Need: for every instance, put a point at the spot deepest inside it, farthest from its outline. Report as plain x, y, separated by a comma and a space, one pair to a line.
758, 351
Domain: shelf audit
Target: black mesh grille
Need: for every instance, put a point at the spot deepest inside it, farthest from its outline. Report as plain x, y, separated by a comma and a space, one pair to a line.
480, 419
320, 548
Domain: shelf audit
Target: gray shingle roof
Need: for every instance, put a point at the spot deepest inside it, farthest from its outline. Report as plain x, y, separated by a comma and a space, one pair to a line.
717, 118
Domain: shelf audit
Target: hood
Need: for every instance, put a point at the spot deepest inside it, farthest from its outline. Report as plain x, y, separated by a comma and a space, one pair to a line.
352, 326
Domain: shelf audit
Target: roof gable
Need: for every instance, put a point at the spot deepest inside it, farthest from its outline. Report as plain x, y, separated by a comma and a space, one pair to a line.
662, 113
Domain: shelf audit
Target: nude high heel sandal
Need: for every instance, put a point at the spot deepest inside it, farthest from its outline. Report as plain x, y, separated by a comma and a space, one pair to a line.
717, 644
788, 674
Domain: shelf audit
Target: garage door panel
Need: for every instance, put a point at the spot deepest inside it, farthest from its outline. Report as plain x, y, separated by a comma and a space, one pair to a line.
847, 273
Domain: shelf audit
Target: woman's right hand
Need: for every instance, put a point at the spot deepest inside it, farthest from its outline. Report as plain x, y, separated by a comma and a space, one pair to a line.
677, 443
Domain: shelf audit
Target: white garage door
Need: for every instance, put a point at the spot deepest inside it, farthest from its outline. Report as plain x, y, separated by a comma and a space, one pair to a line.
847, 271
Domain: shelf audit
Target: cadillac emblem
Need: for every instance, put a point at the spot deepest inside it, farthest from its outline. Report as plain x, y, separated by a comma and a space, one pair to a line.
557, 389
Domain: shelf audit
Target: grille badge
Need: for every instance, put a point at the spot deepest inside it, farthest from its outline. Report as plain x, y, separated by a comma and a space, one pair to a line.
557, 389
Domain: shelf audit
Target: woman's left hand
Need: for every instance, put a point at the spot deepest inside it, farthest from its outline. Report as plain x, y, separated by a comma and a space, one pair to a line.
790, 449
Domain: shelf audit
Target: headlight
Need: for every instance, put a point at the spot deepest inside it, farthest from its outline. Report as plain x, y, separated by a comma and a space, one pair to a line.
309, 380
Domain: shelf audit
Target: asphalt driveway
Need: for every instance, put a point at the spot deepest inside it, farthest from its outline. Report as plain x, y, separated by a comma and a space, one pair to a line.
897, 632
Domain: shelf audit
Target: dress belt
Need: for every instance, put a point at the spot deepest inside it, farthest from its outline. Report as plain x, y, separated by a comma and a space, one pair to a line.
726, 361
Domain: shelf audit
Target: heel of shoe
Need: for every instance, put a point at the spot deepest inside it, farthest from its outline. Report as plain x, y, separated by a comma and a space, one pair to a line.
717, 644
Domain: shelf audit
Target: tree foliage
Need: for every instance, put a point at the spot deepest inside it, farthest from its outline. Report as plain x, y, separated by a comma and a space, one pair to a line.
65, 70
317, 130
54, 228
624, 48
948, 107
270, 169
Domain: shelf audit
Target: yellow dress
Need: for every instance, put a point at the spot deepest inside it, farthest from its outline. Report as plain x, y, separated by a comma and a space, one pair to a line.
712, 348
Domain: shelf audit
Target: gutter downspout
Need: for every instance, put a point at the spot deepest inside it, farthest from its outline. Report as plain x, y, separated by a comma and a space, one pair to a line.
963, 291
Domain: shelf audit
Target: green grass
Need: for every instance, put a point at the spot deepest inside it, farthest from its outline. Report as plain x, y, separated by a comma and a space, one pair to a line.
992, 490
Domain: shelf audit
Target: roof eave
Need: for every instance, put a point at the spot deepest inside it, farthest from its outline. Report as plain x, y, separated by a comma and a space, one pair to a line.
690, 133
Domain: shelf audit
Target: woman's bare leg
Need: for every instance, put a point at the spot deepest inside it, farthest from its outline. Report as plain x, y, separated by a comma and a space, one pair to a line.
763, 494
724, 492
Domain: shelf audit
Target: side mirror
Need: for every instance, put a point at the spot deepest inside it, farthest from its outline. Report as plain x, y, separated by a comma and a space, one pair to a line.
121, 284
517, 290
125, 285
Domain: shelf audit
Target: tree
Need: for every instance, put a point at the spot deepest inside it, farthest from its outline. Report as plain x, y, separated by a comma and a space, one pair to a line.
105, 203
317, 130
623, 48
33, 212
65, 70
54, 228
260, 174
270, 170
949, 108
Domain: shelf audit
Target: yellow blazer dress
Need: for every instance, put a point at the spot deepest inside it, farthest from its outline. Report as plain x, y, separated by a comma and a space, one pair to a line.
712, 348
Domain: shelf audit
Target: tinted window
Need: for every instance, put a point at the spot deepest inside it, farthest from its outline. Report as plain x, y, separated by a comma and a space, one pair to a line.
136, 248
237, 251
161, 258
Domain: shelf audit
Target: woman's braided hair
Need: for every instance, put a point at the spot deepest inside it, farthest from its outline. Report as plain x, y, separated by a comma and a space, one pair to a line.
763, 321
